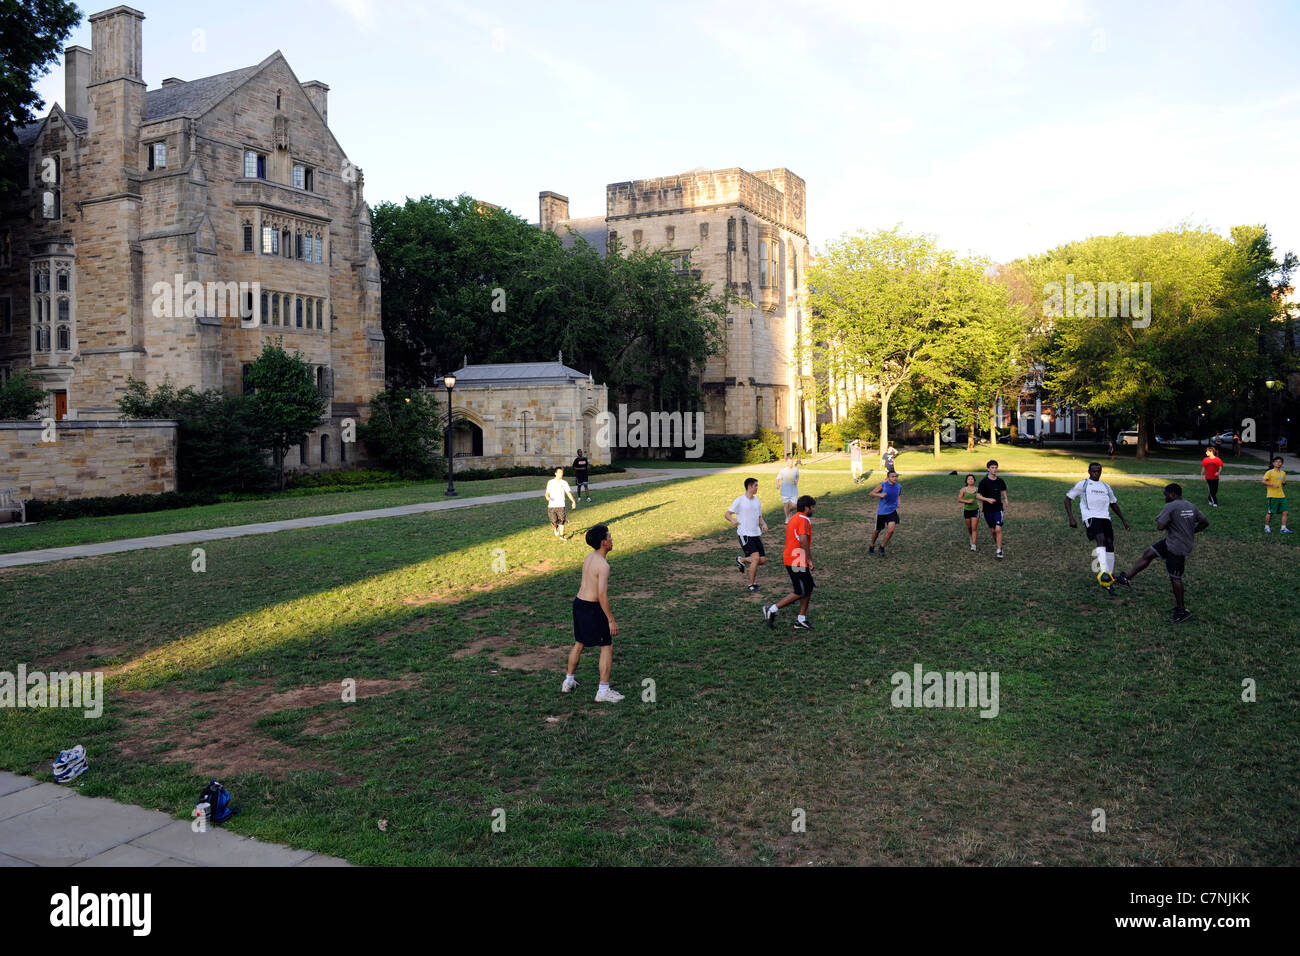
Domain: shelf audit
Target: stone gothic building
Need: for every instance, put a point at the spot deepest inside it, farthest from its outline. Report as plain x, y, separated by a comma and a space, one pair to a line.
170, 232
737, 229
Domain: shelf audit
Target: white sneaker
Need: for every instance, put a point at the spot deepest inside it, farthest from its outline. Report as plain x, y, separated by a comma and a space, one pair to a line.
1267, 529
568, 685
610, 696
999, 553
972, 547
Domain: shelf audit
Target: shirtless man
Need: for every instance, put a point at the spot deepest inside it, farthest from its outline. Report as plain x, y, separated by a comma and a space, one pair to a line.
593, 621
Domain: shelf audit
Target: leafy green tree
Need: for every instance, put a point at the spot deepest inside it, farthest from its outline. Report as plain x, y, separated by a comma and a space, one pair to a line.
21, 397
405, 432
286, 403
32, 33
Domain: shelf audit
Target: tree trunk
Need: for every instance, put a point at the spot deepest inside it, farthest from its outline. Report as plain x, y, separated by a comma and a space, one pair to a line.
993, 424
279, 465
974, 422
1142, 435
884, 420
936, 443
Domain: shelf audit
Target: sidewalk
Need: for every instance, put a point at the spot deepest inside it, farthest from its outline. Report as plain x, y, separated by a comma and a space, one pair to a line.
45, 824
20, 558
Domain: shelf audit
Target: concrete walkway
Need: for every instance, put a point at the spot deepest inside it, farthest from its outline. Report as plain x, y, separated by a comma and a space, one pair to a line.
20, 558
45, 824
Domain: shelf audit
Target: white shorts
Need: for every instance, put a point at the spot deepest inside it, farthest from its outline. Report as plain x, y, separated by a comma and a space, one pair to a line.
789, 501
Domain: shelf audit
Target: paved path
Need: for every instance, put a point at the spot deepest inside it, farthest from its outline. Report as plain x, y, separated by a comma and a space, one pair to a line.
20, 558
45, 824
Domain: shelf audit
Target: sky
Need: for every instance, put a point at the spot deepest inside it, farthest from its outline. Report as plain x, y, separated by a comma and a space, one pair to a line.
1002, 128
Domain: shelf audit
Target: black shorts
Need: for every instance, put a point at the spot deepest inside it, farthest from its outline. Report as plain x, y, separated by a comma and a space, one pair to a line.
752, 545
590, 626
1100, 530
970, 513
801, 580
580, 479
887, 519
1175, 564
558, 516
993, 518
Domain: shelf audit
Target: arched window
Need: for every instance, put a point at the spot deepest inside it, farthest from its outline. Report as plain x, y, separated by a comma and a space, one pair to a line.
298, 313
266, 313
324, 449
275, 308
320, 313
63, 330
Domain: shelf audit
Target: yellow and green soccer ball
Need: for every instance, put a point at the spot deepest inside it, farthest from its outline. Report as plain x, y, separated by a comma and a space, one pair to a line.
1105, 579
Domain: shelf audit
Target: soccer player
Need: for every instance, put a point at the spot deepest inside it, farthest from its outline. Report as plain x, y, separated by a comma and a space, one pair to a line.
580, 466
855, 461
992, 491
1211, 465
799, 564
746, 516
1097, 501
1275, 480
888, 458
970, 509
556, 489
593, 621
887, 511
788, 479
1181, 520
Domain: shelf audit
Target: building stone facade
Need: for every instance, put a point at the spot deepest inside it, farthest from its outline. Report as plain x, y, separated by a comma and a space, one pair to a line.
169, 233
746, 231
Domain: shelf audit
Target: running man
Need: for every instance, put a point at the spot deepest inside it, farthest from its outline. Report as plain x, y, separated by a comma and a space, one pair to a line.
992, 491
1097, 500
593, 621
1275, 480
798, 562
556, 489
788, 479
888, 458
970, 509
1181, 520
580, 466
887, 511
1211, 465
855, 460
749, 524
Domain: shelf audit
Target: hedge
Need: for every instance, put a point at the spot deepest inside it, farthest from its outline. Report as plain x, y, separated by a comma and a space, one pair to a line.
41, 510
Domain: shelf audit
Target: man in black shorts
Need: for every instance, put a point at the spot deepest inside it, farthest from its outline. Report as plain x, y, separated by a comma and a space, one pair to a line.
580, 466
1181, 520
992, 491
593, 621
798, 562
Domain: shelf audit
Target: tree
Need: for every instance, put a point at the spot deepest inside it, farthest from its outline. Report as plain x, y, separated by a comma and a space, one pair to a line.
287, 405
32, 33
21, 397
405, 432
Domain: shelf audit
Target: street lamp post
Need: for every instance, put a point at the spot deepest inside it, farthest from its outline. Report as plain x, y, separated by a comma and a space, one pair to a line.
1272, 385
450, 382
803, 439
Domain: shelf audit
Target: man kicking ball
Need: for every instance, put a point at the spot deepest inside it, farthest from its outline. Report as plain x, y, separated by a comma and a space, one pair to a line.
746, 516
593, 621
1182, 520
556, 489
887, 511
1098, 500
798, 562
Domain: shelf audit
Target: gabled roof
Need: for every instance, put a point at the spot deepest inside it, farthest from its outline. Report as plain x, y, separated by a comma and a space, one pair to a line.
594, 229
522, 373
30, 132
196, 97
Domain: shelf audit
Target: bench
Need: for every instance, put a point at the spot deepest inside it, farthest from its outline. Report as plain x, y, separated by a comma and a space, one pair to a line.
10, 502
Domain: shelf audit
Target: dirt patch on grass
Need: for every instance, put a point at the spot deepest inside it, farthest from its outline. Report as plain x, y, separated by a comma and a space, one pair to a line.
525, 658
698, 546
215, 732
76, 655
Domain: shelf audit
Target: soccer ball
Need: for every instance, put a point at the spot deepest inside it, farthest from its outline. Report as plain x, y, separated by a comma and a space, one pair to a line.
1105, 579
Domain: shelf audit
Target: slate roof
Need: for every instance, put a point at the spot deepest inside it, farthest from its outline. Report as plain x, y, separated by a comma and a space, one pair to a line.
27, 134
592, 228
522, 373
195, 96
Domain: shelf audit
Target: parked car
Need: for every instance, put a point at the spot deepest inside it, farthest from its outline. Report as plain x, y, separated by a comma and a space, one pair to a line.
1129, 437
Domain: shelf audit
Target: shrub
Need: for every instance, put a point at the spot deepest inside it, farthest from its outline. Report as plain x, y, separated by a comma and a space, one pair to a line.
40, 510
20, 397
332, 479
829, 434
404, 433
774, 442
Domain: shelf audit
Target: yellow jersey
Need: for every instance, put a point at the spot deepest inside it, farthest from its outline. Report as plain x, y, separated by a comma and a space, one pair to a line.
1278, 490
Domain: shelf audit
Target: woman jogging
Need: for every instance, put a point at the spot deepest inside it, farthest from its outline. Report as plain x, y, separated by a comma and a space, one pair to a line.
971, 512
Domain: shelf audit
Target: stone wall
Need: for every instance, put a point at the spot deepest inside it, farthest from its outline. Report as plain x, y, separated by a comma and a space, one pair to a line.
88, 458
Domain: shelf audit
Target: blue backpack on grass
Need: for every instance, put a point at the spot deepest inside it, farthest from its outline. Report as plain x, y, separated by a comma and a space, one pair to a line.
218, 798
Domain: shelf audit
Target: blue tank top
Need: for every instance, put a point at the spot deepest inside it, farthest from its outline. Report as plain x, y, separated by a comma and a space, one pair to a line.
889, 503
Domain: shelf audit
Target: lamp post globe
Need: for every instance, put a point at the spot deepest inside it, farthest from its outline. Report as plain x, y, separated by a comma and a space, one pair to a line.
450, 382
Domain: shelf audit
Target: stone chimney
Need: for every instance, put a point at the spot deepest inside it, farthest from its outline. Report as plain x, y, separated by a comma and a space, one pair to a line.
115, 38
553, 208
76, 75
171, 81
318, 93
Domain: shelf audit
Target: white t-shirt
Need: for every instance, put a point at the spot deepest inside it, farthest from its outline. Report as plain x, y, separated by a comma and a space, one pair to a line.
788, 478
556, 489
1097, 498
855, 452
748, 511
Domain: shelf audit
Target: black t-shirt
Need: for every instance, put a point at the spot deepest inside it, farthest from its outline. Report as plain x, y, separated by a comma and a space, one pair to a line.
580, 466
992, 488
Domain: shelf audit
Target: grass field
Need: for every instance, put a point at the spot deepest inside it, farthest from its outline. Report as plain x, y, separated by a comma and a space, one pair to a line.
236, 673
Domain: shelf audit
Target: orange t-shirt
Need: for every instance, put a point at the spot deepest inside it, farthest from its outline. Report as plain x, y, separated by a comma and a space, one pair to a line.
795, 556
1212, 467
